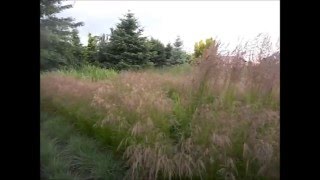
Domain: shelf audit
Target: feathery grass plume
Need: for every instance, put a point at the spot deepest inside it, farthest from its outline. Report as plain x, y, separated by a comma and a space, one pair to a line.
220, 116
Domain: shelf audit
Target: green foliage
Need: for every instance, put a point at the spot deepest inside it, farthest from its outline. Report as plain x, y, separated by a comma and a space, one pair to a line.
178, 56
127, 49
182, 69
102, 51
157, 52
89, 72
182, 116
90, 53
76, 49
178, 43
57, 36
48, 8
201, 46
50, 59
168, 51
66, 154
52, 163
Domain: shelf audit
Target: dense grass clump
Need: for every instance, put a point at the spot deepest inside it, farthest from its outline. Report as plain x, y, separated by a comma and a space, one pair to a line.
66, 154
89, 72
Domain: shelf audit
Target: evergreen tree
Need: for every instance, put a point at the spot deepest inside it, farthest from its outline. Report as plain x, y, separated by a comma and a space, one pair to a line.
90, 53
178, 43
102, 51
127, 48
168, 51
76, 48
55, 35
157, 52
178, 56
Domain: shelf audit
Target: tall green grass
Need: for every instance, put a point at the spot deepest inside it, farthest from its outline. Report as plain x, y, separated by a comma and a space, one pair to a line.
89, 72
66, 154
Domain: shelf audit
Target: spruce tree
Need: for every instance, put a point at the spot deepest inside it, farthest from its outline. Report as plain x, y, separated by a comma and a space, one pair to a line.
76, 48
168, 51
90, 53
55, 35
178, 56
157, 52
127, 48
178, 43
102, 51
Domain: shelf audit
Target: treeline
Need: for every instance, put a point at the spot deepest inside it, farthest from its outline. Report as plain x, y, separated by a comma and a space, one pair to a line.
124, 48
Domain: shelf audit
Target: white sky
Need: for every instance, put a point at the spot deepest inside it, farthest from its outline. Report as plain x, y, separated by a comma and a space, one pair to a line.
228, 21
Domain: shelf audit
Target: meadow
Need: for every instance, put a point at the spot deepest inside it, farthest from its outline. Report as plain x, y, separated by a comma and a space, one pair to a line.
211, 120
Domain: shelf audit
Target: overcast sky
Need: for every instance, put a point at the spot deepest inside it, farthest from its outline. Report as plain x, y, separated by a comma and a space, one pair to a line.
229, 21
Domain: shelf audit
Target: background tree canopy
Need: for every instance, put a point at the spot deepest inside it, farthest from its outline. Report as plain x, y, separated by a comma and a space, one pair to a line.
124, 48
59, 41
